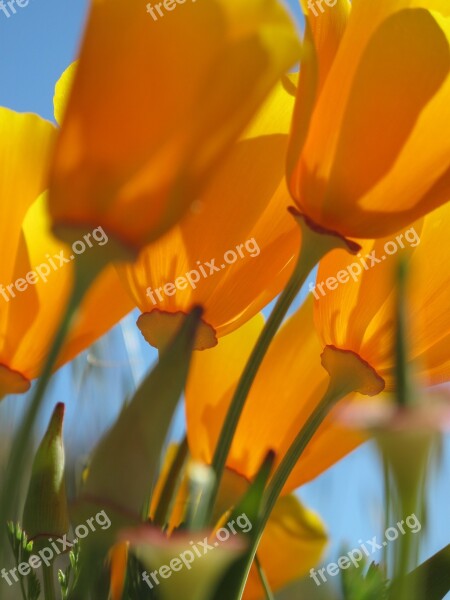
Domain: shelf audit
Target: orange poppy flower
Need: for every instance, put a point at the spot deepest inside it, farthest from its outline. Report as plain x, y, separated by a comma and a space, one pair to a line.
356, 311
273, 415
368, 152
235, 250
154, 107
35, 279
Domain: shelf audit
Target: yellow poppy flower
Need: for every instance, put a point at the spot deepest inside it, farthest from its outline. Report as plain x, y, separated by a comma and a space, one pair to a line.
368, 153
358, 312
34, 275
235, 251
155, 105
273, 414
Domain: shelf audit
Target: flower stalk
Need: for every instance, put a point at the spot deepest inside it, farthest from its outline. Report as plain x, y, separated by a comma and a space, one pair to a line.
348, 373
84, 276
316, 243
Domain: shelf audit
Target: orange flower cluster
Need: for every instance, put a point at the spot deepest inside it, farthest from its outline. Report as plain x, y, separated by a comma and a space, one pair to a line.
180, 152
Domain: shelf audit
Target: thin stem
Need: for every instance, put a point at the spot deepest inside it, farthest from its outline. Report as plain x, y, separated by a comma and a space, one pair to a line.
249, 374
408, 545
281, 475
49, 583
388, 499
21, 444
278, 481
171, 485
22, 588
404, 393
316, 243
264, 581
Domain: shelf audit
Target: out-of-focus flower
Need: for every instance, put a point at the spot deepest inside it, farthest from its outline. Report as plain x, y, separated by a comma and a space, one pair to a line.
235, 251
31, 306
359, 314
431, 412
368, 152
297, 533
274, 413
118, 559
288, 387
405, 435
184, 574
155, 106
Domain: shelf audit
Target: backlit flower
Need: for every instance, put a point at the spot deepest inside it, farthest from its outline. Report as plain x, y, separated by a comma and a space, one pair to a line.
154, 107
234, 251
288, 387
368, 151
36, 273
357, 311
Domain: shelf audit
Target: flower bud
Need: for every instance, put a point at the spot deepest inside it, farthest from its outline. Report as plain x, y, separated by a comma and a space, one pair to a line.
46, 511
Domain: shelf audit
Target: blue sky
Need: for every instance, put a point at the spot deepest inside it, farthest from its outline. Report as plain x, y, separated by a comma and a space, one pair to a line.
36, 45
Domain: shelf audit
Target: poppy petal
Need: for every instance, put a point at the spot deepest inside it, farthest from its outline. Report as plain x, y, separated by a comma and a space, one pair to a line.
292, 543
148, 119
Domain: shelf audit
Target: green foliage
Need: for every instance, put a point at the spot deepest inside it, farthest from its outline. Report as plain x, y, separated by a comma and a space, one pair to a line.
126, 461
430, 580
132, 448
22, 550
46, 511
68, 578
135, 587
251, 505
364, 584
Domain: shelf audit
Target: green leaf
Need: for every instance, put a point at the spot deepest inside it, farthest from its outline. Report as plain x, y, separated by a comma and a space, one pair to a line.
171, 485
430, 580
126, 461
250, 505
22, 550
364, 584
251, 502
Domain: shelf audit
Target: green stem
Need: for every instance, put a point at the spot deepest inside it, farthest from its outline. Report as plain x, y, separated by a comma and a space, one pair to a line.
22, 588
409, 545
404, 393
49, 583
388, 500
171, 484
264, 581
407, 451
298, 446
331, 397
21, 445
316, 243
